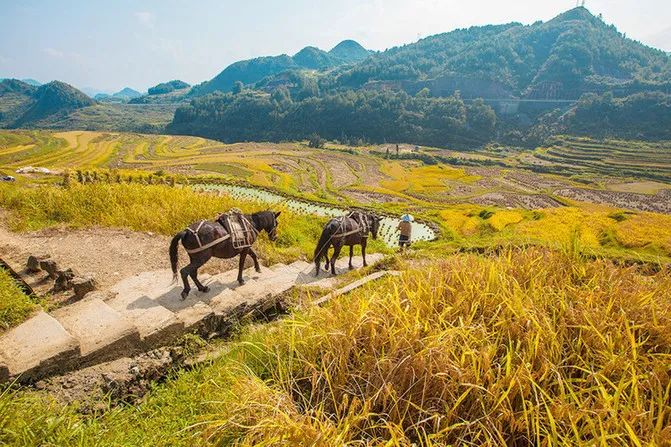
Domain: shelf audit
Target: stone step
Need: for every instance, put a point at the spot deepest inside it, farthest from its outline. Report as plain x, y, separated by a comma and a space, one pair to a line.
276, 267
301, 266
138, 299
103, 333
38, 347
257, 289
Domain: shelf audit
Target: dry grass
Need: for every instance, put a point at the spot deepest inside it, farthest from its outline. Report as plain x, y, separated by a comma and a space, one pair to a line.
530, 348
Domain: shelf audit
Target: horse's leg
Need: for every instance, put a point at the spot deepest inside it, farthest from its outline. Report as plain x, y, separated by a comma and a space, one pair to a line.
241, 265
351, 253
185, 271
257, 267
194, 273
326, 255
364, 241
336, 253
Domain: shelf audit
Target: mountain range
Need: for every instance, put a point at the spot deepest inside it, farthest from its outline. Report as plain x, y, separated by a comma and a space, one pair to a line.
309, 58
529, 75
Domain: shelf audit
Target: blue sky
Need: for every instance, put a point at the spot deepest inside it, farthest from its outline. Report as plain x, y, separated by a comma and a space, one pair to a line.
106, 45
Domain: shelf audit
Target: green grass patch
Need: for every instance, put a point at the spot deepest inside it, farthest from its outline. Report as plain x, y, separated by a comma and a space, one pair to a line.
15, 306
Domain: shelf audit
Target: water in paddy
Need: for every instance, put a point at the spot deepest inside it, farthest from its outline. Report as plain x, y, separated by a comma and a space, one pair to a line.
388, 232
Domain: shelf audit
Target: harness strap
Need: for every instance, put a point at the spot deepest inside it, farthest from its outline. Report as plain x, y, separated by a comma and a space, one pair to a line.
358, 228
202, 247
206, 246
196, 231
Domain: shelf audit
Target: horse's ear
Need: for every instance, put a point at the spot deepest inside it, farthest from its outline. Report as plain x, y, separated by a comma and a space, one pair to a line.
379, 219
277, 214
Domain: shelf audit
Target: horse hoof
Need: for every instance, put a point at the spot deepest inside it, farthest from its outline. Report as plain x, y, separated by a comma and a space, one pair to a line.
258, 270
205, 289
241, 282
184, 295
351, 267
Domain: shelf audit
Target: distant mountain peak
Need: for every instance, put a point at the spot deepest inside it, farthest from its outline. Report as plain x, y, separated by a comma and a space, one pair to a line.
127, 93
313, 58
579, 13
349, 50
168, 87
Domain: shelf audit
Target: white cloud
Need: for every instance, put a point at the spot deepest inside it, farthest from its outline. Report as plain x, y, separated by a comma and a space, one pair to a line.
145, 18
52, 52
660, 39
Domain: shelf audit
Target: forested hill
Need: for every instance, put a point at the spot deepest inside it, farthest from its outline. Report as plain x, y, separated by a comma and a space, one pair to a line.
24, 105
563, 58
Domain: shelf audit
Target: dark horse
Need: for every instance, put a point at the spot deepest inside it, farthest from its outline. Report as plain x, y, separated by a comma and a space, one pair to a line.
346, 230
206, 239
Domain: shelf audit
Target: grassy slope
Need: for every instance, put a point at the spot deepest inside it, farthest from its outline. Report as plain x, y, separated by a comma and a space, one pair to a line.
530, 347
15, 306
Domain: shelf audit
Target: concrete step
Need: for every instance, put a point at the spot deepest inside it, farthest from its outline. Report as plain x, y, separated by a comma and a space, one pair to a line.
301, 266
276, 267
103, 333
226, 301
38, 347
258, 288
138, 299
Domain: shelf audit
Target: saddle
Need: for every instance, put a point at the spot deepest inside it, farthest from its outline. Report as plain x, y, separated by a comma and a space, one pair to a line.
241, 230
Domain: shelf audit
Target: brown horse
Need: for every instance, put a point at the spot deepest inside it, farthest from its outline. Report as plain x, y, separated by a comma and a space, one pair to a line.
205, 239
350, 230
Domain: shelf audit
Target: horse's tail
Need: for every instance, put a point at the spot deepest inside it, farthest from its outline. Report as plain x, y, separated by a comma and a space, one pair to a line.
173, 253
322, 245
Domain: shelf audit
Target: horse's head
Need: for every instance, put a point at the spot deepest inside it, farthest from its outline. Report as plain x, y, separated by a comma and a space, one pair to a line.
267, 221
373, 224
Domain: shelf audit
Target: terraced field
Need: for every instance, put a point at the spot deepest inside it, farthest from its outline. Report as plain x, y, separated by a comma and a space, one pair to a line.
620, 174
640, 159
335, 173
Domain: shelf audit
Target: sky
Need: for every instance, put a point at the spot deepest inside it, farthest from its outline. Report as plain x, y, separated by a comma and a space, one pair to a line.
105, 45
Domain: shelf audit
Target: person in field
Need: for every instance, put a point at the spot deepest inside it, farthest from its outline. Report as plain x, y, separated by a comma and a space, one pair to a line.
405, 231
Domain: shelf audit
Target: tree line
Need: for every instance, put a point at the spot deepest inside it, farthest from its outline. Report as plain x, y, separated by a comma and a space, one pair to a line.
367, 116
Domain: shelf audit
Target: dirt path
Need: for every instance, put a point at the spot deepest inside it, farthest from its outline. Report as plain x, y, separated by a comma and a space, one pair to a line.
107, 254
